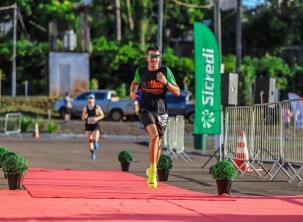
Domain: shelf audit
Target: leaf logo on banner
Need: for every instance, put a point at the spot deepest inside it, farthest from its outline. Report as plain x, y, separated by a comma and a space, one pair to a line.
208, 118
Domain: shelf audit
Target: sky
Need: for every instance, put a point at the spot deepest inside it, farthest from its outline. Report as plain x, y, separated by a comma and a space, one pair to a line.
230, 4
252, 3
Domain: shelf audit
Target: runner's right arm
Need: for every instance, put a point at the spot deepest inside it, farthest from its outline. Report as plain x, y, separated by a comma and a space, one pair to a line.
132, 90
84, 113
134, 86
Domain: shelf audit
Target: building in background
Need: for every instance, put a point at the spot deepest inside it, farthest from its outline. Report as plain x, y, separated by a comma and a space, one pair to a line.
68, 72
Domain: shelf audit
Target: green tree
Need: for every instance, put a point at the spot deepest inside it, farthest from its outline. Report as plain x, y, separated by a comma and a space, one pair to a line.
274, 67
272, 26
267, 67
267, 29
114, 63
30, 65
295, 83
182, 67
229, 63
247, 78
178, 19
37, 14
272, 33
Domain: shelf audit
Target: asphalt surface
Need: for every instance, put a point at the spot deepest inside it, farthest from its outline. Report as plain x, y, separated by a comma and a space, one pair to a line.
72, 153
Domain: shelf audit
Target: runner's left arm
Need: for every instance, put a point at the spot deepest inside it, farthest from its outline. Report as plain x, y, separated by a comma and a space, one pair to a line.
100, 114
171, 84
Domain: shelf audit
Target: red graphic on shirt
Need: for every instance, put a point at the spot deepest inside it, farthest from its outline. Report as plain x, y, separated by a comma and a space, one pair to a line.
153, 86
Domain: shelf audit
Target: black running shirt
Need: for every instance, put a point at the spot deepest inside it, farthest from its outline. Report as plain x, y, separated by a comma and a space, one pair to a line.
153, 92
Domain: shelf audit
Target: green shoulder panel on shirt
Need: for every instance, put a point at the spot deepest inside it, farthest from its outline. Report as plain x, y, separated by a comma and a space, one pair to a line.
170, 76
137, 76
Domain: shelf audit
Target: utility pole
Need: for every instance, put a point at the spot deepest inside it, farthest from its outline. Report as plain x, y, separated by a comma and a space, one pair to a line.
14, 6
239, 36
160, 24
86, 3
1, 75
118, 21
217, 23
14, 53
86, 29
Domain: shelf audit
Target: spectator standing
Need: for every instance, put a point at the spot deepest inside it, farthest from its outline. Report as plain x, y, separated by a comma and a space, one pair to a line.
68, 107
287, 115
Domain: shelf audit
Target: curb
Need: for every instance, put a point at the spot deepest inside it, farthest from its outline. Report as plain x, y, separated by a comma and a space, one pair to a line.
71, 136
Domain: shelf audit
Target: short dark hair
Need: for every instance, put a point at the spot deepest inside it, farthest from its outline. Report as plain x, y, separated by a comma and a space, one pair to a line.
152, 48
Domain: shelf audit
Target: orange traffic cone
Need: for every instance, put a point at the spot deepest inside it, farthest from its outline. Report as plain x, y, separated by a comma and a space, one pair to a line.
242, 152
36, 131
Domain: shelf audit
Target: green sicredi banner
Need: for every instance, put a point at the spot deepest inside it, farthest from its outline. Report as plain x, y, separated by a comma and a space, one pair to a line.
208, 82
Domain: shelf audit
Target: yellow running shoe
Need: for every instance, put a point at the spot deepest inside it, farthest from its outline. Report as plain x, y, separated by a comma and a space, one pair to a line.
152, 178
147, 171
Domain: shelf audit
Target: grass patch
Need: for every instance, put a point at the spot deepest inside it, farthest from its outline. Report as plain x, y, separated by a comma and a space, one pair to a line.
32, 107
51, 126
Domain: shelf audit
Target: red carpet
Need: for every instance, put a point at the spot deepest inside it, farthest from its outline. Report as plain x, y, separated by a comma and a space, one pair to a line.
18, 206
131, 200
101, 185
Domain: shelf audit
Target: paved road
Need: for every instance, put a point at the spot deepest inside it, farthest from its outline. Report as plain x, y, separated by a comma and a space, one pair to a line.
73, 154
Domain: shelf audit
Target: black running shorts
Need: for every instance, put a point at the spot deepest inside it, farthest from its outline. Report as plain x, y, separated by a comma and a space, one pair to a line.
68, 110
92, 127
160, 121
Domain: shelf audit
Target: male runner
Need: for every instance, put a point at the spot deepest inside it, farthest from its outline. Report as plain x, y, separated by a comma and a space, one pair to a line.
154, 80
92, 113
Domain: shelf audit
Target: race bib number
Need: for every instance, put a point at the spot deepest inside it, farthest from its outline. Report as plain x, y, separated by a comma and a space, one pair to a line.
162, 119
90, 120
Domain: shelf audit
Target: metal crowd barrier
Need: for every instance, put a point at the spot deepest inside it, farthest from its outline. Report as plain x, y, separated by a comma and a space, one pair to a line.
292, 143
174, 138
274, 134
12, 124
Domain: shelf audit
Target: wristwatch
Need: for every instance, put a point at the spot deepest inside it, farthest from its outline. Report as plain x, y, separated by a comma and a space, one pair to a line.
168, 83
